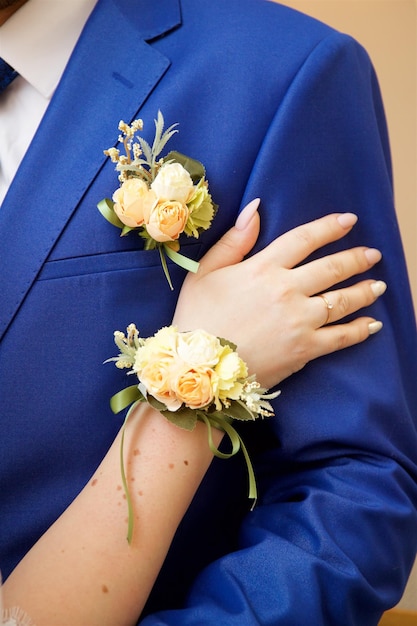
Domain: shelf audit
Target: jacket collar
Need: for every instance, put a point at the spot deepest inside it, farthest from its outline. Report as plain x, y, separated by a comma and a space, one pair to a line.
63, 160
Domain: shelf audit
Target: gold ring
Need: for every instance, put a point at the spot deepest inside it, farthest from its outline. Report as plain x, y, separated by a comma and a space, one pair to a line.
329, 307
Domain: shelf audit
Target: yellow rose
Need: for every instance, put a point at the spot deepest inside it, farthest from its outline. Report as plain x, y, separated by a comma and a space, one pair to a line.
173, 182
199, 348
230, 370
132, 201
196, 387
167, 220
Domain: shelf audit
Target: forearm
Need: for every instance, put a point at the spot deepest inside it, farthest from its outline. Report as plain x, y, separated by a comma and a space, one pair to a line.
83, 571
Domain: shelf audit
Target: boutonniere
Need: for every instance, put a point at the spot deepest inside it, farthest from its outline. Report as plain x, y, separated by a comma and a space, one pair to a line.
158, 197
189, 377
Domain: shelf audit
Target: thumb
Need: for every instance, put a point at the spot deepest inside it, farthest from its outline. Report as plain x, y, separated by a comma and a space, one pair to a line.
236, 243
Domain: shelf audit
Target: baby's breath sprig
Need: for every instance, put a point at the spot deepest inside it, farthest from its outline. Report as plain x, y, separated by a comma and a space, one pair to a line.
140, 159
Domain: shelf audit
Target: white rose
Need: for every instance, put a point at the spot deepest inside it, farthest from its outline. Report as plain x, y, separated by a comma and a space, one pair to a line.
173, 182
199, 348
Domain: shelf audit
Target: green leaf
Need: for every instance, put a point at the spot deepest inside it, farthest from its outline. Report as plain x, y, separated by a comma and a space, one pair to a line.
239, 411
146, 149
195, 169
161, 138
226, 342
159, 406
126, 230
184, 418
166, 137
159, 127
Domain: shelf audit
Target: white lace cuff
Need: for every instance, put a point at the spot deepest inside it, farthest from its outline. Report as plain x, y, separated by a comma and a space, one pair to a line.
15, 617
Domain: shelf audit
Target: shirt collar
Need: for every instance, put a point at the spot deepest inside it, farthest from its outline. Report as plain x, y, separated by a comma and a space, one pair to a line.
39, 38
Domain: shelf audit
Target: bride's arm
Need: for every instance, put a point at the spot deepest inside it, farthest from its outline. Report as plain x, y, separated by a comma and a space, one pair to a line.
83, 571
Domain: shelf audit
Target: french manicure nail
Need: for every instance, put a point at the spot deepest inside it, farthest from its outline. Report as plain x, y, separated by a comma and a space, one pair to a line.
373, 255
347, 220
247, 213
374, 327
378, 288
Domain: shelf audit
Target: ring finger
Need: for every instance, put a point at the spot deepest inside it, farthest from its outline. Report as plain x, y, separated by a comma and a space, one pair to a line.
334, 305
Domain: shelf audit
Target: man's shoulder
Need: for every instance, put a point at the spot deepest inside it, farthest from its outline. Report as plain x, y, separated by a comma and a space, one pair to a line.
254, 28
266, 14
262, 34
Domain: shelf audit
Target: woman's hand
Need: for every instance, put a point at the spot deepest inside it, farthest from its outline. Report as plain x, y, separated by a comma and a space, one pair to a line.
276, 310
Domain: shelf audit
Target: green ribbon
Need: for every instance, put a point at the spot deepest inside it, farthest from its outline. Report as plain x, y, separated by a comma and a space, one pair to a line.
164, 264
237, 444
105, 207
132, 396
118, 402
187, 264
130, 514
123, 398
179, 259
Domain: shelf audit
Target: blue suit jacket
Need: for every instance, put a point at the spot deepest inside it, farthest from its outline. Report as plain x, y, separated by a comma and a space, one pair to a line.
279, 106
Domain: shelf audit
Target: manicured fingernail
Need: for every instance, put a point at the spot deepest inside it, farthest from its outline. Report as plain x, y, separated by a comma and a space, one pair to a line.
374, 327
378, 288
347, 220
246, 214
373, 255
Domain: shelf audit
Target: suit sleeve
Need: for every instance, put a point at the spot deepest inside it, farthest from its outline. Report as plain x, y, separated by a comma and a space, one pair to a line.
334, 535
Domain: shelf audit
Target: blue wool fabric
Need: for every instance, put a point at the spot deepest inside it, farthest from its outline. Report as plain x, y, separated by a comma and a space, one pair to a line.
277, 106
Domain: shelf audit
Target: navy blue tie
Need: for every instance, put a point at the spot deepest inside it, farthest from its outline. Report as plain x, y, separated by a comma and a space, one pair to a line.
7, 74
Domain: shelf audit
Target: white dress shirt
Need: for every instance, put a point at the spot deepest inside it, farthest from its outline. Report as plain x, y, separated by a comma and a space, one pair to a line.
37, 41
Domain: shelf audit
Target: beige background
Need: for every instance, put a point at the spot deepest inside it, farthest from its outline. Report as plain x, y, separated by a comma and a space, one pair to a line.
388, 30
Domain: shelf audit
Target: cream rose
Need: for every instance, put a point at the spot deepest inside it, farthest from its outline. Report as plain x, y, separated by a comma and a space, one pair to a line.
196, 387
173, 182
163, 345
199, 348
132, 201
167, 221
156, 376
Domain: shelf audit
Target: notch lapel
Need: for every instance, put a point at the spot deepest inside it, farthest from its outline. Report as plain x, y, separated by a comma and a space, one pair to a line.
111, 69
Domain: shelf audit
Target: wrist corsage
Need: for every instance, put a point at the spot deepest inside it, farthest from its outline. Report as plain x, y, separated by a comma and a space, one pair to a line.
160, 198
189, 377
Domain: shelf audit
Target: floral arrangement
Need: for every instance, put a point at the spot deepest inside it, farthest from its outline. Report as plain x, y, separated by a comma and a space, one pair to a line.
160, 198
189, 377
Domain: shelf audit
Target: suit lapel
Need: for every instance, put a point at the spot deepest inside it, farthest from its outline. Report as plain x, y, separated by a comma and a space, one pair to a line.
112, 69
